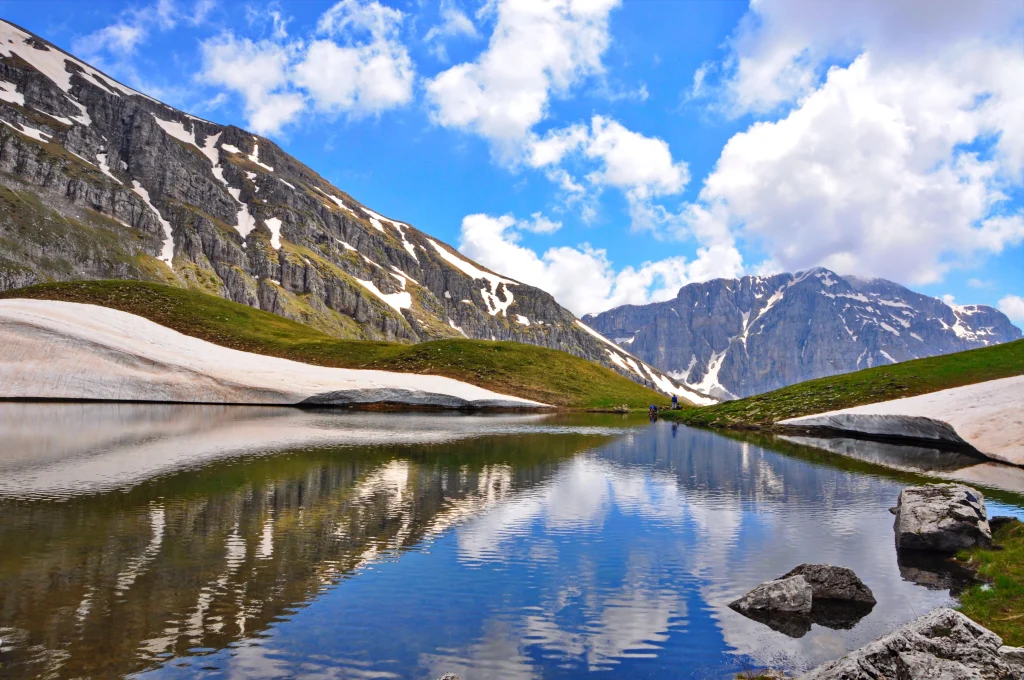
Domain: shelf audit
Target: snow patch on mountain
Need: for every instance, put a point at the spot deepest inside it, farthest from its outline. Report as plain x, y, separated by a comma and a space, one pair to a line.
167, 253
398, 301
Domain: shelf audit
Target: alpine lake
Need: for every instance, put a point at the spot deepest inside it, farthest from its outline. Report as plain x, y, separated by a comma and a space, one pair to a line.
174, 541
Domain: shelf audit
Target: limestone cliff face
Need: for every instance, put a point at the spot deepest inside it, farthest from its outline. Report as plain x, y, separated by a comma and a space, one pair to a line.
100, 181
736, 337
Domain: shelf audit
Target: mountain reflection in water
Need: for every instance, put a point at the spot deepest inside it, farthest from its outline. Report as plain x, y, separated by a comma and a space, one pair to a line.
509, 547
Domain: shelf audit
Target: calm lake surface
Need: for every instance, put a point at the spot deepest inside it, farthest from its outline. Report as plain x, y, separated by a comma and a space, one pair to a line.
198, 541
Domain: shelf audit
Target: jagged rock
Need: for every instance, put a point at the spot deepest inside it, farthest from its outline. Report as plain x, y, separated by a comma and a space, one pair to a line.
833, 583
449, 676
97, 180
941, 517
790, 595
738, 337
941, 645
834, 597
1014, 657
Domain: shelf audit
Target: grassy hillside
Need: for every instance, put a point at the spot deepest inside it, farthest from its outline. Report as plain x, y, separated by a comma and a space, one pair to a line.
999, 606
869, 386
546, 375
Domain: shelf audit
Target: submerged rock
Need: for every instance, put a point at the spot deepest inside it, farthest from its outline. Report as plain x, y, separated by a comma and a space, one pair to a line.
833, 583
941, 517
792, 594
941, 645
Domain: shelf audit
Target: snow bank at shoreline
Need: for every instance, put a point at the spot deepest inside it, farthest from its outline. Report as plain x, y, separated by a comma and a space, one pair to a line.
987, 416
65, 350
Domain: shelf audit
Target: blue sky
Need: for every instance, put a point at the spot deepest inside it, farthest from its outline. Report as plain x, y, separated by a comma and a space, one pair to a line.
609, 151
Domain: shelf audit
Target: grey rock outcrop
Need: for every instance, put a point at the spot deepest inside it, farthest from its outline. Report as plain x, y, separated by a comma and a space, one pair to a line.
941, 517
833, 583
941, 645
829, 596
98, 181
789, 595
737, 337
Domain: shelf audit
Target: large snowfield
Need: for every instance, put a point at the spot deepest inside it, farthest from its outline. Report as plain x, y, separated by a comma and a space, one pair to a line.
989, 416
64, 350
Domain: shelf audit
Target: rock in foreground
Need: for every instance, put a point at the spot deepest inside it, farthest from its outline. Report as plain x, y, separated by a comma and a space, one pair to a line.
941, 517
788, 595
942, 645
833, 583
811, 593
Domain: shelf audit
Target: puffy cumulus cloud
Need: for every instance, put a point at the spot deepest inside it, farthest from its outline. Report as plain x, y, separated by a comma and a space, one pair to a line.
611, 155
538, 49
1013, 307
583, 278
357, 65
898, 164
641, 166
781, 45
258, 71
371, 73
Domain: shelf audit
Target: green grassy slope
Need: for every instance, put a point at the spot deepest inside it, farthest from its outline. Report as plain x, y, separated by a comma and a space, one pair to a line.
999, 606
546, 375
868, 386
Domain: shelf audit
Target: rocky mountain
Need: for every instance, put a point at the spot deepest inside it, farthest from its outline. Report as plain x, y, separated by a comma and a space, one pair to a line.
100, 181
733, 338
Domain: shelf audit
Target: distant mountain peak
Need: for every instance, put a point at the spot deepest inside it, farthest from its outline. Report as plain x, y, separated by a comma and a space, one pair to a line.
735, 337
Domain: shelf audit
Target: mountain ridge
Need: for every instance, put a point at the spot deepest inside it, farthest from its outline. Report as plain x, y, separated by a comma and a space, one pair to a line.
100, 181
734, 338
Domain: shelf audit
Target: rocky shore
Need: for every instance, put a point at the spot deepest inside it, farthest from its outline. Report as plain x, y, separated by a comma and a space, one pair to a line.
931, 520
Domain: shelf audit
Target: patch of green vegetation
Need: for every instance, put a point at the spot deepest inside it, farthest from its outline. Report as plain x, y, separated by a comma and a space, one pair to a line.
56, 246
538, 373
868, 386
998, 604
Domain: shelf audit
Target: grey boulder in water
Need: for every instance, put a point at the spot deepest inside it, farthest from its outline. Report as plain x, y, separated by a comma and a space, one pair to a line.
785, 595
941, 517
833, 583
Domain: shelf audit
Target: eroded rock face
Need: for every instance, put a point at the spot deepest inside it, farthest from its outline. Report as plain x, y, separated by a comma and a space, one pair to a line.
833, 583
788, 595
941, 517
941, 645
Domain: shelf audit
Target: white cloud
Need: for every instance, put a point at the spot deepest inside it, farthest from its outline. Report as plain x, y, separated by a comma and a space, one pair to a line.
538, 49
134, 26
949, 299
118, 37
1013, 307
641, 167
896, 165
454, 23
583, 278
259, 72
368, 72
371, 73
781, 45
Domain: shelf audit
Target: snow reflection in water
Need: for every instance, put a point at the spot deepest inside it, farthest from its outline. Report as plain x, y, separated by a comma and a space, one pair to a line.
495, 547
